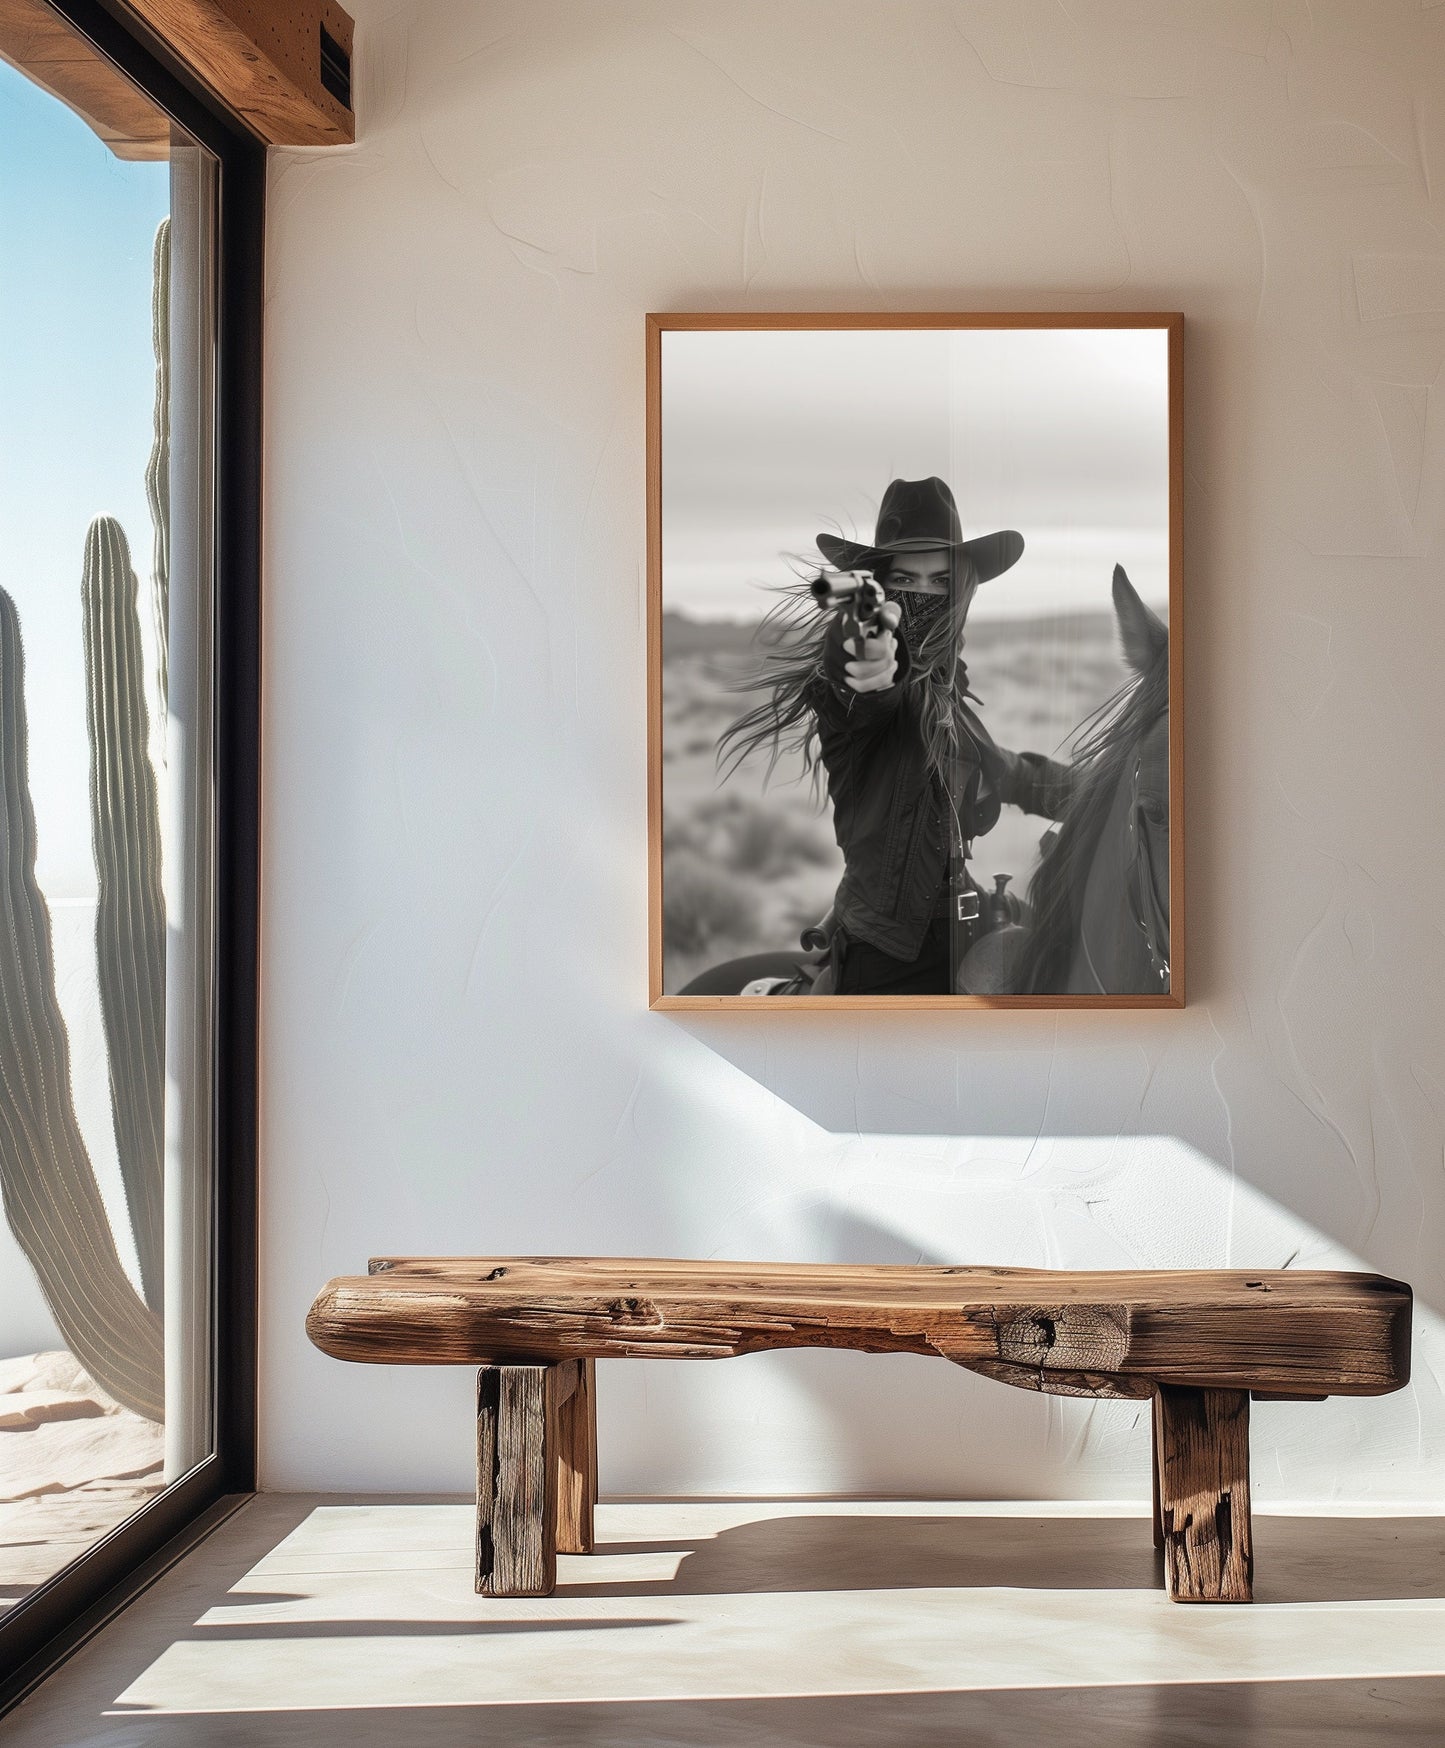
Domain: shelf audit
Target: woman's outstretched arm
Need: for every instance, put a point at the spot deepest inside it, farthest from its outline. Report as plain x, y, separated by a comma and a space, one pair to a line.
1036, 784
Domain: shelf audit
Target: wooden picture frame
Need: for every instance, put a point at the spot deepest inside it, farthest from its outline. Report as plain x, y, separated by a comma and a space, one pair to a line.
964, 329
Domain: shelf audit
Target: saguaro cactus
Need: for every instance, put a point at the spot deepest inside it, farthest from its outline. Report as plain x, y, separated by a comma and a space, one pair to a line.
158, 468
130, 918
51, 1199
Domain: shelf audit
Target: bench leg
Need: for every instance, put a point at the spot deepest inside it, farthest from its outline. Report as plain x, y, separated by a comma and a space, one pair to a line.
1154, 1419
518, 1437
1202, 1439
577, 1463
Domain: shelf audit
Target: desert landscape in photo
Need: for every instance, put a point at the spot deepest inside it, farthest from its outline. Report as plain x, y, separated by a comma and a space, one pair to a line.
749, 862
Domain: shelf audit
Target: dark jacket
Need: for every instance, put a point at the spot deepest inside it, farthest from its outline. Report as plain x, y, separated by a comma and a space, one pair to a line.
890, 813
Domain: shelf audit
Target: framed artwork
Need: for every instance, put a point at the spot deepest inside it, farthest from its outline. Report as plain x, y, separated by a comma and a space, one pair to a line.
914, 661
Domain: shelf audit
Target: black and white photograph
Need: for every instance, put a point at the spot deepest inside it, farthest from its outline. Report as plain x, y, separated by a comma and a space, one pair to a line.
913, 585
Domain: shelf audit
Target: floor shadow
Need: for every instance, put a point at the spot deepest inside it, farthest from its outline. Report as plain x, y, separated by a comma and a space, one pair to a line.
1400, 1712
1349, 1559
976, 1700
821, 1552
457, 1627
1296, 1559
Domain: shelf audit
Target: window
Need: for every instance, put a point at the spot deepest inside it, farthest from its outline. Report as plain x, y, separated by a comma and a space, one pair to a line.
127, 780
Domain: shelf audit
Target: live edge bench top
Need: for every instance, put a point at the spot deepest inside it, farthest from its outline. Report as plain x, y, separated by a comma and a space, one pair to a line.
1078, 1332
1198, 1342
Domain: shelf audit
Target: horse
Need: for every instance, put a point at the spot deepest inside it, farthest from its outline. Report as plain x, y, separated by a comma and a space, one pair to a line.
1096, 921
1098, 904
772, 973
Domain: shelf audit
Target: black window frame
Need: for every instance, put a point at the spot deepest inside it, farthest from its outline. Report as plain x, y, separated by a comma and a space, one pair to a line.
43, 1628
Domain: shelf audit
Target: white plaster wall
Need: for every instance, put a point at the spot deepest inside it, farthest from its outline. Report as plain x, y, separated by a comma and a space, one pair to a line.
457, 1052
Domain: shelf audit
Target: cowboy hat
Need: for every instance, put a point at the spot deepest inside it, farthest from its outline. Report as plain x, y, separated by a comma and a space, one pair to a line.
919, 515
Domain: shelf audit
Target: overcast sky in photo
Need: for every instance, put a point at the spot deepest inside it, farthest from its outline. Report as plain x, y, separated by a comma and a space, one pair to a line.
770, 438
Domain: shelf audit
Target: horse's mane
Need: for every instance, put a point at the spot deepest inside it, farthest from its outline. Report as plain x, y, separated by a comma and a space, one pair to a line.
1102, 745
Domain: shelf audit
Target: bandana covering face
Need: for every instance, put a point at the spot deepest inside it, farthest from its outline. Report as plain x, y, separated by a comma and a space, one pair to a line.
919, 612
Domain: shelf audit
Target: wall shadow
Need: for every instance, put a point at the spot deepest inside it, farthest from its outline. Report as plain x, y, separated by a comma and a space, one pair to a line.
1041, 1098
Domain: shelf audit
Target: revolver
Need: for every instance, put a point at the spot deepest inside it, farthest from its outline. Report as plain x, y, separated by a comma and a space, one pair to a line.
859, 595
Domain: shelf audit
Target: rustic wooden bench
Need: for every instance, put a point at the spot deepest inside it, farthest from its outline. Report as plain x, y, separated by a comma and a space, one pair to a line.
1197, 1344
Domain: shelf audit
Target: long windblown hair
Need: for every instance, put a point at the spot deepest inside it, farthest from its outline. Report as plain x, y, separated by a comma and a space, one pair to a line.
790, 676
1056, 893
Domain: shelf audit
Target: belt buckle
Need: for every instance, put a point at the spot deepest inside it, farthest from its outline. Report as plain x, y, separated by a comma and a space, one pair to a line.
968, 907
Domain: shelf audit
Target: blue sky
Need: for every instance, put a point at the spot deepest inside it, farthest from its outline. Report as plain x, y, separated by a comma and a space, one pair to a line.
77, 383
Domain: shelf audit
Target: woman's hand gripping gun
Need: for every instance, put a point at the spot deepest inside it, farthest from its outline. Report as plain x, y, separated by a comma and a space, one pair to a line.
869, 622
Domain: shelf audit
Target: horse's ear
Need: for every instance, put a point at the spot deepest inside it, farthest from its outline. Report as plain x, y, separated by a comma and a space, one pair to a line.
1144, 634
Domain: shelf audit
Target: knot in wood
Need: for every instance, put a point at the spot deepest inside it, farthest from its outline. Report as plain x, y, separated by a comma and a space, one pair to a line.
633, 1311
1089, 1338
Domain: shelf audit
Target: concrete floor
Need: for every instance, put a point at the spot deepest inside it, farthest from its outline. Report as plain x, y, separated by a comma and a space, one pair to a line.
332, 1623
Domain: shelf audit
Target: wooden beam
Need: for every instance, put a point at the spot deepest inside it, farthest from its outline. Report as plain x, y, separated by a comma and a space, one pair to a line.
1204, 1516
40, 44
283, 67
577, 1462
518, 1409
1155, 1510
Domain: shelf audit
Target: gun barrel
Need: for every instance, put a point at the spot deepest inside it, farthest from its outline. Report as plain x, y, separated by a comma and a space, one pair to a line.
840, 588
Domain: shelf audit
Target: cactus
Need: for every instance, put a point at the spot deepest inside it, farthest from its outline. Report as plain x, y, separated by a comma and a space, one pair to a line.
158, 468
50, 1194
130, 919
51, 1198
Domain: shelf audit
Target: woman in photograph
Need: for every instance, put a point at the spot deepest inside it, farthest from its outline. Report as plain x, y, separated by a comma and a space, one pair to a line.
884, 708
